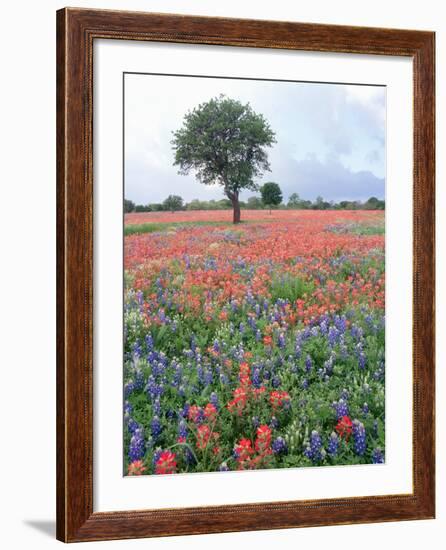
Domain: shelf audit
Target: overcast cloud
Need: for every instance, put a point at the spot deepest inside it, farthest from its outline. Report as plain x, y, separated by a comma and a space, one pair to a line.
330, 138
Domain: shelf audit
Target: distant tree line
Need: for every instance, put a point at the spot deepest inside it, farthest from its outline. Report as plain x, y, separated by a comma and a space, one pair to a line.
271, 198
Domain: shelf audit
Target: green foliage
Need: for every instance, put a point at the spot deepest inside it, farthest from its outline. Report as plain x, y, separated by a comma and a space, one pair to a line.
271, 194
254, 203
129, 206
173, 203
289, 287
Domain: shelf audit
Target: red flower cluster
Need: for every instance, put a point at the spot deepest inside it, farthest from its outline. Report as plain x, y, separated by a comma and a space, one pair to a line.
194, 413
136, 468
246, 454
166, 463
344, 427
210, 412
263, 439
278, 399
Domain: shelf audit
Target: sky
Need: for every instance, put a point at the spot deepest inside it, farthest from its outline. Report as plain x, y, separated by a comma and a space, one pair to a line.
330, 137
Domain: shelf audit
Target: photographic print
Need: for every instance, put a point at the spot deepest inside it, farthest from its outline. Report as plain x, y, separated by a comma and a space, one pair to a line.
254, 274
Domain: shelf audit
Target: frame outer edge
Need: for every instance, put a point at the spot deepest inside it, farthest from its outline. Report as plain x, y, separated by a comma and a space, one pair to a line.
424, 258
60, 278
75, 518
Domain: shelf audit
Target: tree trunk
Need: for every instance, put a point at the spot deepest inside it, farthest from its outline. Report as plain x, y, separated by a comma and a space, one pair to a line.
236, 207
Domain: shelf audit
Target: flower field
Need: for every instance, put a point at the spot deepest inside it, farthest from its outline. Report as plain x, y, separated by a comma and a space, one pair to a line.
253, 346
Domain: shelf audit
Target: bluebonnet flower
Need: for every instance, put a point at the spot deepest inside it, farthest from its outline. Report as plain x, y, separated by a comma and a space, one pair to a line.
132, 425
279, 446
216, 346
178, 376
314, 450
153, 389
137, 349
324, 326
149, 342
341, 408
128, 408
156, 406
308, 363
275, 382
359, 437
156, 455
252, 323
189, 456
137, 445
193, 344
182, 429
258, 335
365, 408
255, 421
129, 388
139, 380
223, 467
156, 428
377, 456
341, 323
361, 360
241, 328
185, 410
281, 340
208, 377
213, 399
273, 423
333, 444
333, 335
256, 378
344, 394
200, 374
356, 332
305, 383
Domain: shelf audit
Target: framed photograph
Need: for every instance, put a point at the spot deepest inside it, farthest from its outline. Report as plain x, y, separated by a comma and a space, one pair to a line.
245, 278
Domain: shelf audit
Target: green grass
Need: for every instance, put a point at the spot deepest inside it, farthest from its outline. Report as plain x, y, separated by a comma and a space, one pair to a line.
139, 228
369, 230
289, 287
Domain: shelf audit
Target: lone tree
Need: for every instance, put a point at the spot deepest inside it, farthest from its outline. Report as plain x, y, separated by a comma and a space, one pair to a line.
224, 142
173, 203
271, 194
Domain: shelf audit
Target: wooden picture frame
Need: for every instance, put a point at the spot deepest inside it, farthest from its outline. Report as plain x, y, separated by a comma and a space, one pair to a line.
76, 31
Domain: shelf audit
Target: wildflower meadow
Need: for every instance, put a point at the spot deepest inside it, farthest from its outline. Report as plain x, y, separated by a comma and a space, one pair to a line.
256, 345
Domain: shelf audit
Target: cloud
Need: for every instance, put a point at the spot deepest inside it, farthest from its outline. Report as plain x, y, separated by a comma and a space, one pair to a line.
333, 181
330, 138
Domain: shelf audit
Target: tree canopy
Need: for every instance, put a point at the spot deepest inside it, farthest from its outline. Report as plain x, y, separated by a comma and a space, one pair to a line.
224, 142
173, 203
271, 194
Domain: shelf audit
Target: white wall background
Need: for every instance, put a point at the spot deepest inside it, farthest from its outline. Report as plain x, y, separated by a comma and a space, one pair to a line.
27, 136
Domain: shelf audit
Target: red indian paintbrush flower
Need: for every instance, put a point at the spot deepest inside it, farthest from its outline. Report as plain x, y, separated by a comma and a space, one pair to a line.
136, 468
166, 463
263, 440
210, 412
279, 398
344, 427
